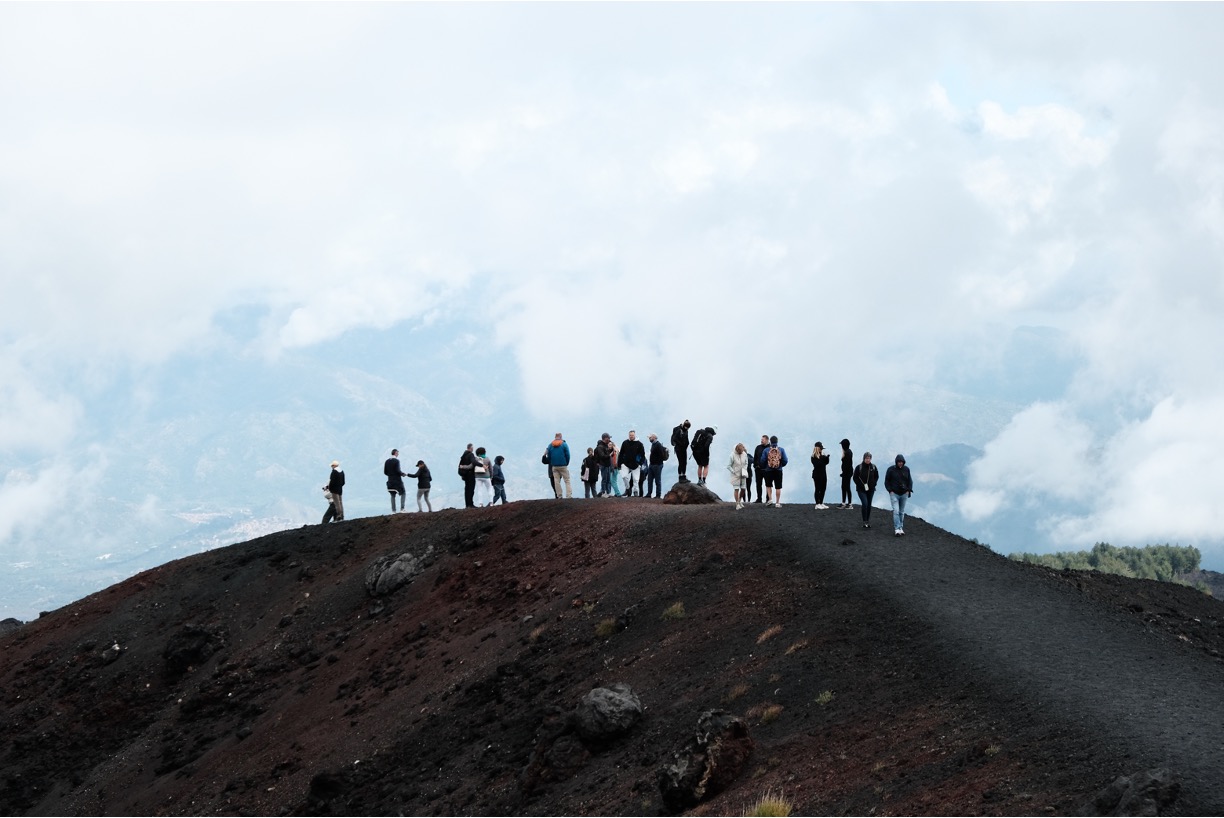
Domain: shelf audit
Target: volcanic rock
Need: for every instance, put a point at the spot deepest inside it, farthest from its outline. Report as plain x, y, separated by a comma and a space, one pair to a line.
1147, 793
690, 494
392, 572
607, 712
707, 762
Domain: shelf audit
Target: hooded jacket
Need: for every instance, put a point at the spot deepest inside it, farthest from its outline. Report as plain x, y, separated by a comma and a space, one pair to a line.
558, 453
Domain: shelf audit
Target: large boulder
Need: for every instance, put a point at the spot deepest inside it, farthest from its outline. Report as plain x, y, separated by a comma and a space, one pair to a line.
1147, 793
707, 762
607, 712
690, 494
389, 573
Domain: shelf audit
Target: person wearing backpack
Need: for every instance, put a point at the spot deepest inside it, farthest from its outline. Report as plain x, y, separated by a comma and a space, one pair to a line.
701, 451
654, 477
820, 461
590, 475
467, 471
773, 461
680, 442
756, 461
866, 475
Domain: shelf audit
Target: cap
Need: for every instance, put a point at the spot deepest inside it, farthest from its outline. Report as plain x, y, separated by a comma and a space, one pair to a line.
335, 463
819, 445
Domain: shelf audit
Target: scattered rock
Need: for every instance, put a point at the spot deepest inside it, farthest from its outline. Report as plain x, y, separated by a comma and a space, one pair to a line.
1148, 793
191, 647
690, 494
607, 712
707, 762
392, 572
9, 625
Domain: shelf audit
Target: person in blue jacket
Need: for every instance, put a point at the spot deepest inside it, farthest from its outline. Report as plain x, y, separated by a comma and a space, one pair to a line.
770, 464
559, 459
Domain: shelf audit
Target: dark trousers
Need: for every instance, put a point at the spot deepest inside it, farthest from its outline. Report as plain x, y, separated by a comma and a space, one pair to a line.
469, 491
760, 477
654, 481
330, 513
822, 483
681, 462
847, 497
865, 499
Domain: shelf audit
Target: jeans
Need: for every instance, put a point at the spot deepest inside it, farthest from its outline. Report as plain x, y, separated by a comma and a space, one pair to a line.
605, 478
614, 476
865, 499
423, 494
898, 506
590, 487
654, 480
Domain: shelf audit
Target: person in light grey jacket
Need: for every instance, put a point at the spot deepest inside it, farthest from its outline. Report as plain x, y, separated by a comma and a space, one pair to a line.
738, 466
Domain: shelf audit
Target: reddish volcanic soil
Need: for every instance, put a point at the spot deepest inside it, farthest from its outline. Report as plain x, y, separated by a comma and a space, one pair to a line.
921, 675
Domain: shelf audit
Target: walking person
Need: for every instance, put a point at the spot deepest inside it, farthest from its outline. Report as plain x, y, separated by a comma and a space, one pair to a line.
654, 477
498, 479
702, 440
484, 478
820, 461
756, 461
558, 453
395, 479
632, 459
335, 484
866, 476
467, 471
738, 466
590, 475
773, 461
680, 442
847, 472
900, 487
424, 479
330, 514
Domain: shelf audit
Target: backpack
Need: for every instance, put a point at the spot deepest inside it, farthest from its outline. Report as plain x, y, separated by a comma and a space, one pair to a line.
773, 458
677, 435
699, 440
666, 453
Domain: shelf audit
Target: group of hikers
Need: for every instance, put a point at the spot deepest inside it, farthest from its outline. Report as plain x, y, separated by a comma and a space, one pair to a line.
632, 469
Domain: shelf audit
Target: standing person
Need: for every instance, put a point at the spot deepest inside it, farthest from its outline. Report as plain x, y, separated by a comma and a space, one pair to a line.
773, 461
820, 477
423, 478
498, 479
330, 514
701, 451
614, 453
603, 457
395, 479
866, 476
658, 456
590, 475
738, 466
632, 459
756, 461
847, 471
558, 460
900, 487
680, 442
335, 484
484, 478
467, 470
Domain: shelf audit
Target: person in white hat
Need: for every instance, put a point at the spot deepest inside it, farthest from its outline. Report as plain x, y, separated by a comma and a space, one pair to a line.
335, 484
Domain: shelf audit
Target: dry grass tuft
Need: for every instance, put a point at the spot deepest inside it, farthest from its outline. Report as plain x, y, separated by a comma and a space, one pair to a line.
536, 633
606, 627
674, 612
798, 646
734, 693
825, 697
769, 633
770, 805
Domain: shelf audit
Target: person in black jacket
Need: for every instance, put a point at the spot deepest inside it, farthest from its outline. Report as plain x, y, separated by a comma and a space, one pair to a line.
760, 473
847, 472
590, 475
702, 441
680, 442
900, 487
467, 471
820, 477
632, 462
395, 479
423, 479
335, 484
603, 457
658, 456
866, 476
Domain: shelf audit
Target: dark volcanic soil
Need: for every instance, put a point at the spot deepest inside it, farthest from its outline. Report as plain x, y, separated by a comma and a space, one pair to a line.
916, 675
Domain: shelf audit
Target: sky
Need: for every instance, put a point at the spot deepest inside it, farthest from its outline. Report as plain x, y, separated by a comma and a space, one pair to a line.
240, 240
